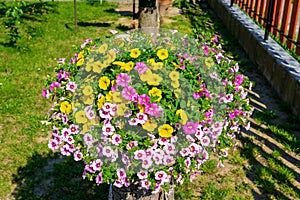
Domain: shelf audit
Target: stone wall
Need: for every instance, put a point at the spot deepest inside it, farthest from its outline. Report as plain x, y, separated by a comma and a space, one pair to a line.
280, 69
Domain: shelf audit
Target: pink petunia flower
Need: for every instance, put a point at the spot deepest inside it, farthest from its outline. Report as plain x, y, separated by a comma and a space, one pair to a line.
142, 118
78, 156
46, 94
88, 139
71, 86
107, 151
53, 144
143, 99
142, 174
139, 155
108, 129
145, 184
169, 149
121, 173
131, 144
129, 93
190, 128
118, 183
205, 141
141, 67
73, 129
123, 79
54, 85
133, 122
116, 139
99, 179
146, 163
97, 164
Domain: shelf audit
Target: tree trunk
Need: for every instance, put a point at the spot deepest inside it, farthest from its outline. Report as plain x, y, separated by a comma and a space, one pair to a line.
148, 16
133, 192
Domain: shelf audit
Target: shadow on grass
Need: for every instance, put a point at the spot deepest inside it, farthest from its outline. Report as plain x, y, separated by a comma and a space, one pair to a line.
122, 12
272, 169
97, 24
53, 177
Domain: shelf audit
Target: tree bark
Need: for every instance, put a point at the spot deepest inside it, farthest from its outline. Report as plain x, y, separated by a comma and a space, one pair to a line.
133, 192
148, 16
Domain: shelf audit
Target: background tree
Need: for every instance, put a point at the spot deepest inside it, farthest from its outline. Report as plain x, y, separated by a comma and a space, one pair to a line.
148, 16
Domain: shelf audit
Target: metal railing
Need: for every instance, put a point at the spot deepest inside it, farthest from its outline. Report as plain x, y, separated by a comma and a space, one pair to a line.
278, 17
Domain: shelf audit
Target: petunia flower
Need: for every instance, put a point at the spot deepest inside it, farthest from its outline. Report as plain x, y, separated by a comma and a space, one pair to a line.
142, 174
108, 129
99, 179
123, 79
116, 139
190, 128
145, 184
141, 67
129, 93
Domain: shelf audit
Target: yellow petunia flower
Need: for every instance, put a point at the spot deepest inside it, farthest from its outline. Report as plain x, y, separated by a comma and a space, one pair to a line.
150, 125
88, 66
111, 56
174, 75
80, 117
80, 58
155, 92
154, 80
108, 96
88, 99
182, 115
145, 76
175, 84
209, 62
121, 109
117, 97
104, 82
176, 66
102, 49
119, 63
151, 61
101, 102
165, 131
162, 54
87, 90
98, 66
141, 108
134, 53
86, 127
80, 62
128, 66
157, 66
65, 107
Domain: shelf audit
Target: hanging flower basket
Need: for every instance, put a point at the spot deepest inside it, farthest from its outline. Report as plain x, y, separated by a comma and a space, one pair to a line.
146, 111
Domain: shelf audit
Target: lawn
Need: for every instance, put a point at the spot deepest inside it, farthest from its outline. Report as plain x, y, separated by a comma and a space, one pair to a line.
265, 164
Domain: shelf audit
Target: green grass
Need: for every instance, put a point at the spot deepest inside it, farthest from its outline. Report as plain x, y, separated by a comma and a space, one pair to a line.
30, 171
24, 71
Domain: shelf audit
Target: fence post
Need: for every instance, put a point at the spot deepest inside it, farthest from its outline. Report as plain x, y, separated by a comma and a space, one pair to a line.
269, 18
231, 3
